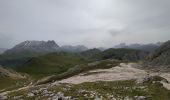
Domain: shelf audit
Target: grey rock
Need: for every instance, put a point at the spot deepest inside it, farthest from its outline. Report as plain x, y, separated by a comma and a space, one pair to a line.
140, 98
30, 95
143, 80
94, 63
160, 58
17, 97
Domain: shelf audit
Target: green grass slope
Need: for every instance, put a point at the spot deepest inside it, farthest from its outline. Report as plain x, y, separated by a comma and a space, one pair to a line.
16, 59
53, 63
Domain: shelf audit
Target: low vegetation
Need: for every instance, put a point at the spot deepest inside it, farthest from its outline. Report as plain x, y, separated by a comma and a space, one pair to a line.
104, 64
10, 84
53, 63
107, 90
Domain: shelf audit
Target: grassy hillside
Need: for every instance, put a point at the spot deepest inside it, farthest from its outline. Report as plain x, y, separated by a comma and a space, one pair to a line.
15, 59
53, 63
7, 83
58, 63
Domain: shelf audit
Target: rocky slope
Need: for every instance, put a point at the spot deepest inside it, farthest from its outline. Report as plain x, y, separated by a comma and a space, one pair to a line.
34, 46
160, 57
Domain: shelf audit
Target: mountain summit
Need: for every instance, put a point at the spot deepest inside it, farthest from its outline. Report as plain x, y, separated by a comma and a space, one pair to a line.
34, 46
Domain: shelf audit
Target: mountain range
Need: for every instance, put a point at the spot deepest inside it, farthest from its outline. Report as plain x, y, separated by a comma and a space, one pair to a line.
24, 51
43, 47
145, 47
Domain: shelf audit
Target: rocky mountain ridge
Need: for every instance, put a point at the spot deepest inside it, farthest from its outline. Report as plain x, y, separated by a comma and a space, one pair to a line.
145, 47
44, 47
161, 56
36, 46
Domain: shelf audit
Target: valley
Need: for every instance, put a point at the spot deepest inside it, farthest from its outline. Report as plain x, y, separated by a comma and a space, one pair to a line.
112, 74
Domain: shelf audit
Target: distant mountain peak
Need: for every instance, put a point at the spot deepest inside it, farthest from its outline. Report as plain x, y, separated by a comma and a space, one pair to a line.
52, 42
35, 46
145, 47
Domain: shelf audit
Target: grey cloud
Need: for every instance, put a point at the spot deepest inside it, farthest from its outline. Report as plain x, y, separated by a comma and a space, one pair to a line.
89, 22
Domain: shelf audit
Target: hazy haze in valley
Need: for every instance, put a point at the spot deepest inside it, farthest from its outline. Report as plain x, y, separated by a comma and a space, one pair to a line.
93, 23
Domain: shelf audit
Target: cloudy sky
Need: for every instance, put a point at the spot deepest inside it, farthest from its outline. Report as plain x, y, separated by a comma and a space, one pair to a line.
93, 23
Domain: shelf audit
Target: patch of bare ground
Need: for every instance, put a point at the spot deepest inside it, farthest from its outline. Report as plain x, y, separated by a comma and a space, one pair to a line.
121, 72
125, 71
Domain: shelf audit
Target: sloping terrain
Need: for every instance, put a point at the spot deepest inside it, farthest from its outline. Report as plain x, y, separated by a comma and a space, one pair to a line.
9, 73
91, 74
9, 79
160, 58
57, 63
122, 82
53, 63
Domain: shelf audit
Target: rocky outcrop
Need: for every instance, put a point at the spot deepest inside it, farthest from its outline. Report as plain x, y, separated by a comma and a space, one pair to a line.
160, 57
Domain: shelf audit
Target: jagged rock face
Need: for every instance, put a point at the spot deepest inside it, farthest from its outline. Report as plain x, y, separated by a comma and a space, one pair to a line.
161, 56
134, 56
36, 46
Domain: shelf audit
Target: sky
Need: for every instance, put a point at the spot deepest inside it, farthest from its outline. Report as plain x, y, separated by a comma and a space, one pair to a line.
93, 23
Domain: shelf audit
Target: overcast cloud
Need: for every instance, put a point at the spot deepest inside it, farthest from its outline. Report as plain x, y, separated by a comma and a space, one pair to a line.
93, 23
